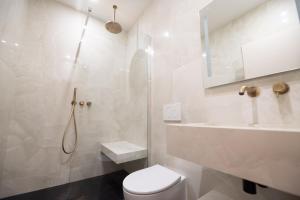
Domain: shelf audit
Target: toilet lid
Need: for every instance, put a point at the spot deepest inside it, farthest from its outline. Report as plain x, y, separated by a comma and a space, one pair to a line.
150, 180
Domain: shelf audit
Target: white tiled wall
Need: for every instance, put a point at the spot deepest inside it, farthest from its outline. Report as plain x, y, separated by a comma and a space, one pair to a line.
39, 39
176, 77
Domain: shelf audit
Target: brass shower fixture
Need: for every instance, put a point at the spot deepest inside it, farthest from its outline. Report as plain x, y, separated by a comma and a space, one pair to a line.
252, 91
113, 26
281, 88
72, 118
89, 103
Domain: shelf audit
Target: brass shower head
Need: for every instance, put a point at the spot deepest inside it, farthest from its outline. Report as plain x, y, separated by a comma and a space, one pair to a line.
113, 26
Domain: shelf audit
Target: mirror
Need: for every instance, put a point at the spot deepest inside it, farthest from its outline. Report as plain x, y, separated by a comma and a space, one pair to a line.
243, 40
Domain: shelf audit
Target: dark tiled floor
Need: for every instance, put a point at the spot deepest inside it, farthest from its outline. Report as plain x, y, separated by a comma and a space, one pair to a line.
107, 187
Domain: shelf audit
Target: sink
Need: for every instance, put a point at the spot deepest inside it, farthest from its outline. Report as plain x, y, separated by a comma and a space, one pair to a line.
269, 156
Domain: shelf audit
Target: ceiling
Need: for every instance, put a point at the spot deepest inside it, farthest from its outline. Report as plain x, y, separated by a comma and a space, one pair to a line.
127, 14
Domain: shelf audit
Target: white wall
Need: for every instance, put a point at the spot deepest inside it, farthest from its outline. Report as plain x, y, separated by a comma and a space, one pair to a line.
37, 77
176, 77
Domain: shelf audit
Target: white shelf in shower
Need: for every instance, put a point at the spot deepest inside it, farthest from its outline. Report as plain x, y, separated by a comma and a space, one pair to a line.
123, 151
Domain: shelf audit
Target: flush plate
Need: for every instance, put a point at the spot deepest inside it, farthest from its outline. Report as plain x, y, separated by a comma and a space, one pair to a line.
172, 112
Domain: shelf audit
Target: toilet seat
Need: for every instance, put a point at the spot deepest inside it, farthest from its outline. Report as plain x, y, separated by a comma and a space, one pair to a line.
151, 180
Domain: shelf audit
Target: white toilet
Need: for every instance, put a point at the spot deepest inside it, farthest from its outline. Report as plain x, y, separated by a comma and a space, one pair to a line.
154, 183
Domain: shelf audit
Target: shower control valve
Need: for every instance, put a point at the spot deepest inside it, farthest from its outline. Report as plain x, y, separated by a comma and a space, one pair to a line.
89, 103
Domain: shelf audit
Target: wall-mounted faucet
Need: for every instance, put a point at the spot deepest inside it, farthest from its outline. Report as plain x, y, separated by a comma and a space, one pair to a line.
251, 91
281, 88
83, 103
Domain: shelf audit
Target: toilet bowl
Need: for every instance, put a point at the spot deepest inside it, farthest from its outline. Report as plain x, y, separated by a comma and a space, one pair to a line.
154, 183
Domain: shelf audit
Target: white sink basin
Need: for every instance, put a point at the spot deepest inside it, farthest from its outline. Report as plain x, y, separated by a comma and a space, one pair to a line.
267, 156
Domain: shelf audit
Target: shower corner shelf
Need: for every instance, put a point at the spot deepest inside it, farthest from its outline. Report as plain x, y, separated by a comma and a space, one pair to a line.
122, 151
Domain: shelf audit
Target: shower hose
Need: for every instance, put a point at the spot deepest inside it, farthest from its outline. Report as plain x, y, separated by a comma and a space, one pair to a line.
72, 117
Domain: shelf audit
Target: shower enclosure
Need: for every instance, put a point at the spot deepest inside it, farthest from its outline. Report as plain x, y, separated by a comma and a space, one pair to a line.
43, 57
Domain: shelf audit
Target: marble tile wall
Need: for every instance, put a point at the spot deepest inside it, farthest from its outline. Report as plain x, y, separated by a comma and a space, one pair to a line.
39, 40
176, 77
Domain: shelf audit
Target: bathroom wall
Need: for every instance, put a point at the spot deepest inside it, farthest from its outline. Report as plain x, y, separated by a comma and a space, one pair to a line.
39, 40
177, 77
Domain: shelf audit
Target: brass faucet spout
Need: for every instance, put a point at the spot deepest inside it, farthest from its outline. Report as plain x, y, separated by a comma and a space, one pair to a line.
243, 90
251, 91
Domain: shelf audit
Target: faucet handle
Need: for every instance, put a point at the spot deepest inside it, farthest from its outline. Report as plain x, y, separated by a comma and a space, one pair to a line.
281, 88
89, 103
253, 91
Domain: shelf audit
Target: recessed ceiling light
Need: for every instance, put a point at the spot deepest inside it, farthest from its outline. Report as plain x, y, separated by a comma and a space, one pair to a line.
68, 57
166, 34
283, 13
285, 20
149, 50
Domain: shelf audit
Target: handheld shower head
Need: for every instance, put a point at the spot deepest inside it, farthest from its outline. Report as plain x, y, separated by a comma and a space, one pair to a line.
72, 117
74, 97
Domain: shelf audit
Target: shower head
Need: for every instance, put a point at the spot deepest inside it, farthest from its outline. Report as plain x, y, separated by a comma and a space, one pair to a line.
113, 26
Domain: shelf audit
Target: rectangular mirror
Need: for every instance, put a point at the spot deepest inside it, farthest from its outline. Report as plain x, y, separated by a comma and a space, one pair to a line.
248, 39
